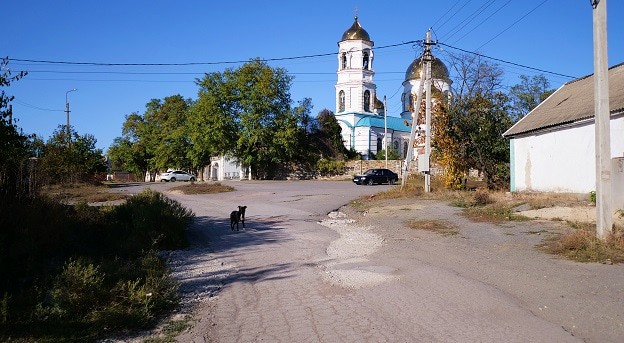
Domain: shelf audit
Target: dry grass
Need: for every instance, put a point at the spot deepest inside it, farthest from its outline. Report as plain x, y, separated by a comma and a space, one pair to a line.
582, 245
543, 200
441, 227
203, 188
493, 213
82, 192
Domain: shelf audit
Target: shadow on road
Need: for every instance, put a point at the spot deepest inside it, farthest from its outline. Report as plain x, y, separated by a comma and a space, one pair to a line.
201, 273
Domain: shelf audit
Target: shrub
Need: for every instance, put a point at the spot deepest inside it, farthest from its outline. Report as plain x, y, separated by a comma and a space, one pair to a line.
327, 167
150, 220
78, 289
592, 197
482, 198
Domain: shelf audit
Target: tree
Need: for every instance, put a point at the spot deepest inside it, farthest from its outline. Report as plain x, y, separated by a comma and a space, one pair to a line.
474, 75
482, 120
212, 123
529, 93
468, 134
13, 148
327, 135
246, 113
166, 124
156, 140
69, 163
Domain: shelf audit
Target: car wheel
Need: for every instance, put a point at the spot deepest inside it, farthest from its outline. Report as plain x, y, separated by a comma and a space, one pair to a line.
172, 179
391, 181
371, 182
192, 179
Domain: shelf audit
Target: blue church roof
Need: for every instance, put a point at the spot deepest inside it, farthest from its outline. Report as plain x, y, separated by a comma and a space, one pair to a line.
394, 123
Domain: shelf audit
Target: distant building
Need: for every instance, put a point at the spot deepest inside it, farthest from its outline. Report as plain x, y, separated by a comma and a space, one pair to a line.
552, 149
359, 111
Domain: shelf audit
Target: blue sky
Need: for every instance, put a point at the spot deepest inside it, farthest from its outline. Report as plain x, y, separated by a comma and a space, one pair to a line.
552, 35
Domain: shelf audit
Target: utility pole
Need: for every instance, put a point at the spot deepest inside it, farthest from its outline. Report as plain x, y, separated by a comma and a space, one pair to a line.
67, 113
428, 58
415, 111
386, 130
604, 219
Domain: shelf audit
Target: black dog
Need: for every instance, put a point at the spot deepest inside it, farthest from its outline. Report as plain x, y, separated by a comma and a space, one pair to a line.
237, 216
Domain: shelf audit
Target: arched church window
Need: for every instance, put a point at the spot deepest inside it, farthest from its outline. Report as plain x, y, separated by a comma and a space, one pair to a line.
403, 102
379, 144
365, 60
341, 101
367, 101
404, 149
344, 60
410, 104
395, 145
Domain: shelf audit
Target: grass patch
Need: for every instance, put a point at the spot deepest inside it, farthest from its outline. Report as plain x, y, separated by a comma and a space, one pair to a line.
203, 188
82, 192
493, 213
544, 200
170, 331
78, 273
582, 245
440, 227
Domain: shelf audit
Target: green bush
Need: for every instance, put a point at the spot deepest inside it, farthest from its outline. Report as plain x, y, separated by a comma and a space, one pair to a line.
79, 272
592, 197
393, 154
78, 289
327, 167
150, 220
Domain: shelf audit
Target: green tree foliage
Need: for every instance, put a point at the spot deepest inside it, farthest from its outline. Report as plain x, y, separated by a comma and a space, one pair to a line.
166, 125
393, 154
529, 93
66, 162
327, 135
482, 119
13, 148
246, 113
468, 133
156, 140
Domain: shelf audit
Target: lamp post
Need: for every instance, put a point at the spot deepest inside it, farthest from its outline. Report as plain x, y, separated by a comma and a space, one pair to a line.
67, 113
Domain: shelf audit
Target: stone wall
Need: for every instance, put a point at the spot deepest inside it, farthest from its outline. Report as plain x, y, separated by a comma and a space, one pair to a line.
359, 167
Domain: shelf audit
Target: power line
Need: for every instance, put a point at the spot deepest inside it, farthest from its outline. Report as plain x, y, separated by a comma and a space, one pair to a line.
483, 21
514, 23
451, 17
192, 63
445, 13
508, 62
457, 28
35, 107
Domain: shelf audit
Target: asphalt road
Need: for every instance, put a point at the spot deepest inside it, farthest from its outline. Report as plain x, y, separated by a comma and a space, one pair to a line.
286, 278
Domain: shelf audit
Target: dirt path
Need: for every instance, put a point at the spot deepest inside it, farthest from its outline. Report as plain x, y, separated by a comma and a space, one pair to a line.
295, 274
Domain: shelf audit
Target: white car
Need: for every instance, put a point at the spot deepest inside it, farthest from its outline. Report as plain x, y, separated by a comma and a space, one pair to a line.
176, 175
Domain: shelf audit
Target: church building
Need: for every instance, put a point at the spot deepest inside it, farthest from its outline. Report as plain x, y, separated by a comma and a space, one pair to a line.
359, 111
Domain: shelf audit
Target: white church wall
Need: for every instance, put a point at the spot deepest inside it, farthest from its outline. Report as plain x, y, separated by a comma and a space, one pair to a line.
562, 160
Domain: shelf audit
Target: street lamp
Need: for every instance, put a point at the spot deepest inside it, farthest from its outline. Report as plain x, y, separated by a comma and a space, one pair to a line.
67, 113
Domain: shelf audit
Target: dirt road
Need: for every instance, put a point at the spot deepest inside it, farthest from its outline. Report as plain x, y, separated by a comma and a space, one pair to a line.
296, 274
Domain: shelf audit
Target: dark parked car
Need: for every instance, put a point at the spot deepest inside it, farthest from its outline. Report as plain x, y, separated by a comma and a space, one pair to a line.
377, 175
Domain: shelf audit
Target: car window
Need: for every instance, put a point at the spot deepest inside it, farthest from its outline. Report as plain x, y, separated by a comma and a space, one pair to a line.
369, 172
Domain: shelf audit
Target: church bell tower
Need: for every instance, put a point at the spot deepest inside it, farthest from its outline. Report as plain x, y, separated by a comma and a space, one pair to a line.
355, 90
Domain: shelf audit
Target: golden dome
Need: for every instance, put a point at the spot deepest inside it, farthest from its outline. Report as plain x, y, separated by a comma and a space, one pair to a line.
438, 70
355, 32
379, 105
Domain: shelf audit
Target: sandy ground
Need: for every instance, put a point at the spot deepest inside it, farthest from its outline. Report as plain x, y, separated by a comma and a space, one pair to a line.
305, 270
572, 214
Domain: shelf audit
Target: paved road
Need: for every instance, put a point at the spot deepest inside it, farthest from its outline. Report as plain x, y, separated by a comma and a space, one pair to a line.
285, 278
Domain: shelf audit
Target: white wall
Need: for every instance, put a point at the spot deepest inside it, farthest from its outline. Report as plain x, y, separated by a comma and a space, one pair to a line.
561, 160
